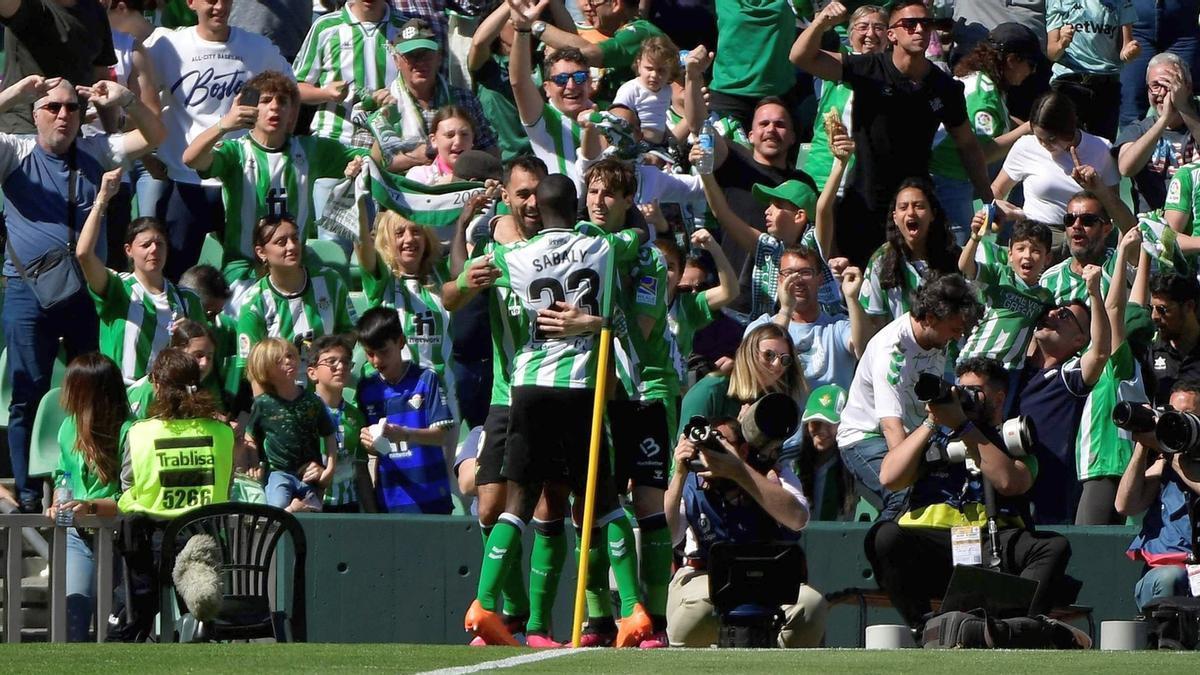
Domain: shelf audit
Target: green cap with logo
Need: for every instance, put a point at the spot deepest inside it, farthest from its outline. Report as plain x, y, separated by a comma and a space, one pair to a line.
796, 192
825, 404
415, 34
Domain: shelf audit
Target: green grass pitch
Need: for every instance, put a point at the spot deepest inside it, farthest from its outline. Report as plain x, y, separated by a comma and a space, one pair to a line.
256, 658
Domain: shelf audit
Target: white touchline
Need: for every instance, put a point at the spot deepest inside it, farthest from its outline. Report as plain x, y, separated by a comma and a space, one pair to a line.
510, 662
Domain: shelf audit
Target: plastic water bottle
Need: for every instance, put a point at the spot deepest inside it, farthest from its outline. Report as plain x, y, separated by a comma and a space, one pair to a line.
707, 141
63, 494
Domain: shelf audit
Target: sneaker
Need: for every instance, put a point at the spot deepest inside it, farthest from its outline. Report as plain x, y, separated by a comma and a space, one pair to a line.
478, 642
539, 640
598, 636
634, 628
658, 640
488, 625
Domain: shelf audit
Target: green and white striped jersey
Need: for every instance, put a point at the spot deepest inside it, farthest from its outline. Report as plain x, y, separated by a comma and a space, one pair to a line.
819, 162
342, 48
135, 324
1065, 285
347, 422
689, 313
989, 119
648, 298
424, 318
555, 140
561, 265
1012, 312
889, 302
1102, 449
322, 308
256, 181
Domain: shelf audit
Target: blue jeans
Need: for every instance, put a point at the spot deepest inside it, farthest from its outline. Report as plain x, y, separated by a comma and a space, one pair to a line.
81, 586
32, 336
190, 211
1170, 28
1160, 582
957, 198
282, 487
147, 190
864, 459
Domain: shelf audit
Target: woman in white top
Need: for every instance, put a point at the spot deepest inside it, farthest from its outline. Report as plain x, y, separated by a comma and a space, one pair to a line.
1059, 160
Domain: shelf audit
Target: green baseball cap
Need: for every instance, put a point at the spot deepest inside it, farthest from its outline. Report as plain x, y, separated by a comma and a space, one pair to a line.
825, 404
415, 34
793, 191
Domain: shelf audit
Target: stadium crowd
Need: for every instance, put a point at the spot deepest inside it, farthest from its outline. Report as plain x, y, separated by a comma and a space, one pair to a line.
368, 253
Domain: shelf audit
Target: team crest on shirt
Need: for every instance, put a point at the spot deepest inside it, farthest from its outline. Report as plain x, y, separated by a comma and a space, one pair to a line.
935, 104
323, 304
415, 401
1160, 363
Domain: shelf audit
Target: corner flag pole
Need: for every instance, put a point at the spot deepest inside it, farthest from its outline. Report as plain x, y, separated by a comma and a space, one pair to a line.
589, 503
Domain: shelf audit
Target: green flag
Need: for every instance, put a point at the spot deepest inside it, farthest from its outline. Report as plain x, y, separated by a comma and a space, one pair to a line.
1159, 240
435, 206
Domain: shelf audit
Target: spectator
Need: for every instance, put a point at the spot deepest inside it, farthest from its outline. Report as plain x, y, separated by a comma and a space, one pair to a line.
421, 90
708, 508
894, 120
212, 289
289, 302
1182, 210
881, 414
919, 244
283, 22
912, 557
818, 462
53, 39
1162, 26
1054, 387
183, 418
1009, 55
1153, 149
1056, 161
350, 489
196, 340
868, 35
436, 13
617, 136
974, 19
1175, 353
649, 94
90, 442
1087, 67
50, 181
1087, 228
759, 68
691, 308
343, 83
452, 133
292, 165
137, 310
1162, 486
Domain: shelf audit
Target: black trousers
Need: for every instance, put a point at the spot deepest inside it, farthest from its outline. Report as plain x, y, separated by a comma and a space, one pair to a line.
913, 564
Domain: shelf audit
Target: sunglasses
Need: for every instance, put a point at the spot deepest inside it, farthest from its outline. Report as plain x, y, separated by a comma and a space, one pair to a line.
910, 23
1063, 312
54, 107
579, 76
772, 357
1087, 219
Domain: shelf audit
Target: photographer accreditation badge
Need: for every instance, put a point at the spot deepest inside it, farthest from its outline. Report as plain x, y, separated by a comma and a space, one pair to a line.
966, 545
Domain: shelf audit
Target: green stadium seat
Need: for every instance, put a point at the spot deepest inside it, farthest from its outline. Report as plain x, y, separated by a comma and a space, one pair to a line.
865, 512
331, 255
360, 302
212, 253
355, 272
43, 447
802, 154
6, 383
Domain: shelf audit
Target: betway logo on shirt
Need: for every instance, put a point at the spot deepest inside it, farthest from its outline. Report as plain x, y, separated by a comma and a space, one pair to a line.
197, 86
1097, 28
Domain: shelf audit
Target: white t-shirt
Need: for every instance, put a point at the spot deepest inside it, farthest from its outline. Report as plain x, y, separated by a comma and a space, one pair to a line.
656, 185
199, 81
650, 106
1047, 178
883, 383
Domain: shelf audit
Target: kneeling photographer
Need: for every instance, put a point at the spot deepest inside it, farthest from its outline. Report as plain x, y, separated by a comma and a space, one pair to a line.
729, 489
1162, 480
967, 487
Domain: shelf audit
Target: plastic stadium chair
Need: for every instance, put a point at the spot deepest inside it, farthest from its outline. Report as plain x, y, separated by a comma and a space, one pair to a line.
212, 253
43, 446
355, 272
249, 536
330, 255
5, 388
359, 300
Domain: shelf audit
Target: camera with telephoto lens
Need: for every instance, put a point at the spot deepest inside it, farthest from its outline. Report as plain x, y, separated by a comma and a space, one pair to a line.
931, 388
765, 425
1135, 417
1015, 437
1178, 433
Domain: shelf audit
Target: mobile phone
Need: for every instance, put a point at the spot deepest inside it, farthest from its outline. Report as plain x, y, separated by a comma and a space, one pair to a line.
250, 96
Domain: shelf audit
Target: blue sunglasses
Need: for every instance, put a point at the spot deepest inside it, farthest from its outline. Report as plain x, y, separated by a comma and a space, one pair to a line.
580, 76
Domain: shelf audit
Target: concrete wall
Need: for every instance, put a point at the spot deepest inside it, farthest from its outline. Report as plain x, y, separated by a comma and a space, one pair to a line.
410, 579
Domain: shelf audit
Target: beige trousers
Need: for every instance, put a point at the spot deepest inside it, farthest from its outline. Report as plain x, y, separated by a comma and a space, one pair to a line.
692, 620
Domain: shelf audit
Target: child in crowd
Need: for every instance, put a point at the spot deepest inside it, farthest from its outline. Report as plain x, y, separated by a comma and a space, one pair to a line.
196, 340
690, 308
412, 470
649, 94
453, 134
286, 427
350, 490
1088, 40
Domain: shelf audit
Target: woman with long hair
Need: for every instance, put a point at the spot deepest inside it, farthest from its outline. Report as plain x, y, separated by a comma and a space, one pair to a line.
197, 341
90, 442
918, 243
453, 134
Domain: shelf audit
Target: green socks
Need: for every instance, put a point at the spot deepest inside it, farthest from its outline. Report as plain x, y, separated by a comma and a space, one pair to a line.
500, 552
599, 603
545, 569
656, 562
516, 601
622, 555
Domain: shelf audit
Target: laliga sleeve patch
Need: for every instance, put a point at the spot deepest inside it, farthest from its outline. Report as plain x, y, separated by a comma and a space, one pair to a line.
1174, 192
243, 346
647, 290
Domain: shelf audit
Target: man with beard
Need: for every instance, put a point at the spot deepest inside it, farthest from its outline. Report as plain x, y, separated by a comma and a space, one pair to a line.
1087, 226
1175, 352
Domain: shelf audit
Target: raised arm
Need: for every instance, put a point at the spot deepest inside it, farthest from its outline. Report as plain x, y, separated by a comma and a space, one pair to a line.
744, 234
695, 110
862, 328
94, 270
148, 128
26, 90
520, 68
555, 37
485, 35
966, 259
1140, 483
842, 147
1093, 360
728, 289
806, 51
1115, 301
199, 154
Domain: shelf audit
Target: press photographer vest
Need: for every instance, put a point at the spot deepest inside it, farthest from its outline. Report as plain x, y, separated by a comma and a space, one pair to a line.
949, 495
714, 520
177, 465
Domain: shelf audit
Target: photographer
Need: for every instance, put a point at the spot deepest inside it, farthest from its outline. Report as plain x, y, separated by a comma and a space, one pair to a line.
734, 495
913, 557
882, 413
1161, 484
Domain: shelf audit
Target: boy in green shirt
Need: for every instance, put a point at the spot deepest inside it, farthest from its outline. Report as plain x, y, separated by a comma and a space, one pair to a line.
329, 365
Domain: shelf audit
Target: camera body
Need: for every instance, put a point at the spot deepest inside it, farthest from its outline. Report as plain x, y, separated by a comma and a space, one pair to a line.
698, 430
765, 425
931, 388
